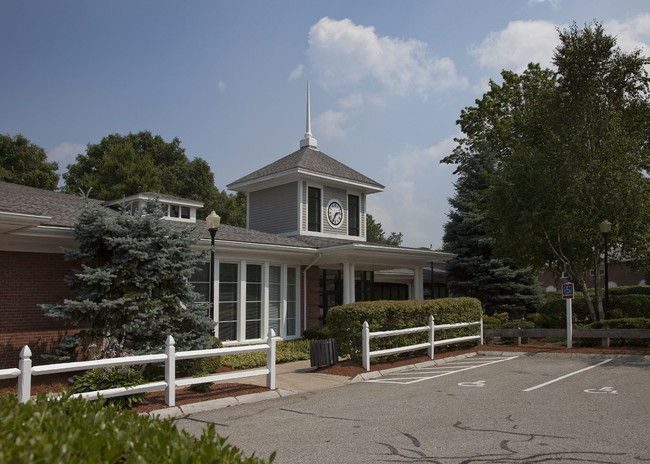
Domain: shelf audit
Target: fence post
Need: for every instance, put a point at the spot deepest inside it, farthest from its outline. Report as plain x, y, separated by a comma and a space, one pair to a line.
270, 360
365, 345
170, 371
431, 337
25, 376
481, 340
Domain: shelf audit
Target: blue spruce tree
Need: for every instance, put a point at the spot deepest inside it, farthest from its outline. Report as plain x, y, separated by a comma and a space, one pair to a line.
133, 286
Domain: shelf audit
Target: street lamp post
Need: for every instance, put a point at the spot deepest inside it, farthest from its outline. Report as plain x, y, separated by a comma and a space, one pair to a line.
605, 228
212, 221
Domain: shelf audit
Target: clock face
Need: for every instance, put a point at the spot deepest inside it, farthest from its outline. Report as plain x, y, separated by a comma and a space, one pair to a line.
335, 213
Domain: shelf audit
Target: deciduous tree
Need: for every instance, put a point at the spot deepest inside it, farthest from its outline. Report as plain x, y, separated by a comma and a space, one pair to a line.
22, 162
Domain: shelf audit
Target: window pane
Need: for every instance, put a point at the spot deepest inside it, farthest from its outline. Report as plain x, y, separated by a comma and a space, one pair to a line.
253, 292
227, 330
185, 212
254, 273
228, 272
228, 312
173, 211
203, 289
275, 325
275, 273
253, 329
227, 292
274, 310
253, 311
353, 215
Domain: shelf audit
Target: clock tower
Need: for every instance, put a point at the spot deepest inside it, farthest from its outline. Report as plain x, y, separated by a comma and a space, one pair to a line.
307, 193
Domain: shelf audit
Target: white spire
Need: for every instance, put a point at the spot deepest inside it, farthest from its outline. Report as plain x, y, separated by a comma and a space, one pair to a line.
308, 141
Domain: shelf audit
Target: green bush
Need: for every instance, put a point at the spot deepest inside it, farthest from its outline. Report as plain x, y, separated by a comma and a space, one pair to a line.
345, 322
201, 366
77, 430
112, 377
285, 351
536, 318
625, 323
624, 302
518, 325
491, 322
317, 333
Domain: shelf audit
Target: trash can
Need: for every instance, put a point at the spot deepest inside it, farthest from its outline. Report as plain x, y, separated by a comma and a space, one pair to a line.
323, 353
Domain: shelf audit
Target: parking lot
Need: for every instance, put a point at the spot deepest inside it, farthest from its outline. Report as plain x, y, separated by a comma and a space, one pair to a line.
511, 409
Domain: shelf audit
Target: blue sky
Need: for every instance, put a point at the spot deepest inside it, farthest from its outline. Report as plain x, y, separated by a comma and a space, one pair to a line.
228, 78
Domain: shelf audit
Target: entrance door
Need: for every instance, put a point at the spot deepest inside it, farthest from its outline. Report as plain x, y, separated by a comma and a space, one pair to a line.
331, 291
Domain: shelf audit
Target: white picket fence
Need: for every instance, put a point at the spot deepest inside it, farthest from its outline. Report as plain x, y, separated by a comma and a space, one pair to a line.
25, 370
366, 335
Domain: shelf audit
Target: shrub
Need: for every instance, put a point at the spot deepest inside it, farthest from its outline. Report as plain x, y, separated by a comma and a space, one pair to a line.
201, 366
77, 430
491, 322
345, 322
625, 323
518, 325
112, 377
285, 351
317, 333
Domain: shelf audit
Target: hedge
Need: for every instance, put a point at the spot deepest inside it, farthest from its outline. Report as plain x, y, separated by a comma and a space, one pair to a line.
77, 430
345, 322
624, 302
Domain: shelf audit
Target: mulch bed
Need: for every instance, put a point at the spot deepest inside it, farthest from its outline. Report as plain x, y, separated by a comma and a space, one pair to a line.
346, 368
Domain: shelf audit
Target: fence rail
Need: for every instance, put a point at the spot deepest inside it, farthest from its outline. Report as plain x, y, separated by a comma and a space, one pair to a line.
25, 370
604, 334
366, 336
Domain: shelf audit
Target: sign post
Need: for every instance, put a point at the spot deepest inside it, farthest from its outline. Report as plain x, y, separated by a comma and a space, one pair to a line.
567, 294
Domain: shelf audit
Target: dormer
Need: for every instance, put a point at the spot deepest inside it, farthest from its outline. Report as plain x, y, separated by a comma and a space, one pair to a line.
174, 208
307, 193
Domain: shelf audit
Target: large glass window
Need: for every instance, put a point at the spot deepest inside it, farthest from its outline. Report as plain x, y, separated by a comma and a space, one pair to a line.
253, 301
228, 301
275, 298
364, 289
292, 302
353, 215
313, 209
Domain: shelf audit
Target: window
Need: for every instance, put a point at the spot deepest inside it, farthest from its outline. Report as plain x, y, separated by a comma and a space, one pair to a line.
173, 211
364, 288
313, 209
353, 215
292, 302
275, 298
185, 212
253, 301
228, 301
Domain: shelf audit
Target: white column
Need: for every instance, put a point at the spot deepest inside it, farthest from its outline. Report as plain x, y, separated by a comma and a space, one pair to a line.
348, 283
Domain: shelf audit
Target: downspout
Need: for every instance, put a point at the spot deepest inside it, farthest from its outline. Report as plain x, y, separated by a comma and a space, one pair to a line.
304, 291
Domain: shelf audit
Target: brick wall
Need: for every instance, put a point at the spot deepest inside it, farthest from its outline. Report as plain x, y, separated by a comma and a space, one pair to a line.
620, 275
27, 280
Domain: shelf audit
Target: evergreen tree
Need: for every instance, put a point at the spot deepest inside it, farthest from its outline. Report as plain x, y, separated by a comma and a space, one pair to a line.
475, 272
133, 286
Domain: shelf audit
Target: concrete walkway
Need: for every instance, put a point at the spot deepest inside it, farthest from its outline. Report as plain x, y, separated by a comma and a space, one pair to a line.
290, 378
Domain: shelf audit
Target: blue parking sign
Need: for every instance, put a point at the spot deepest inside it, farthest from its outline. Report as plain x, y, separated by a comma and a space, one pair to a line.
567, 291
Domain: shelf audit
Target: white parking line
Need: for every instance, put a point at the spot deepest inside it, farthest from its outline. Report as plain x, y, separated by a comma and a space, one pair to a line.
420, 377
566, 375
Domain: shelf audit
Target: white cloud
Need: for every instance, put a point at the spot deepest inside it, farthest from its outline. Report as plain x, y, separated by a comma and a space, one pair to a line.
629, 34
296, 73
520, 43
221, 85
351, 102
65, 153
331, 124
415, 200
344, 53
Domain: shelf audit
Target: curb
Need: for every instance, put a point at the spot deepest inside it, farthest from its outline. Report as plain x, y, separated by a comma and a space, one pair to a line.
219, 403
